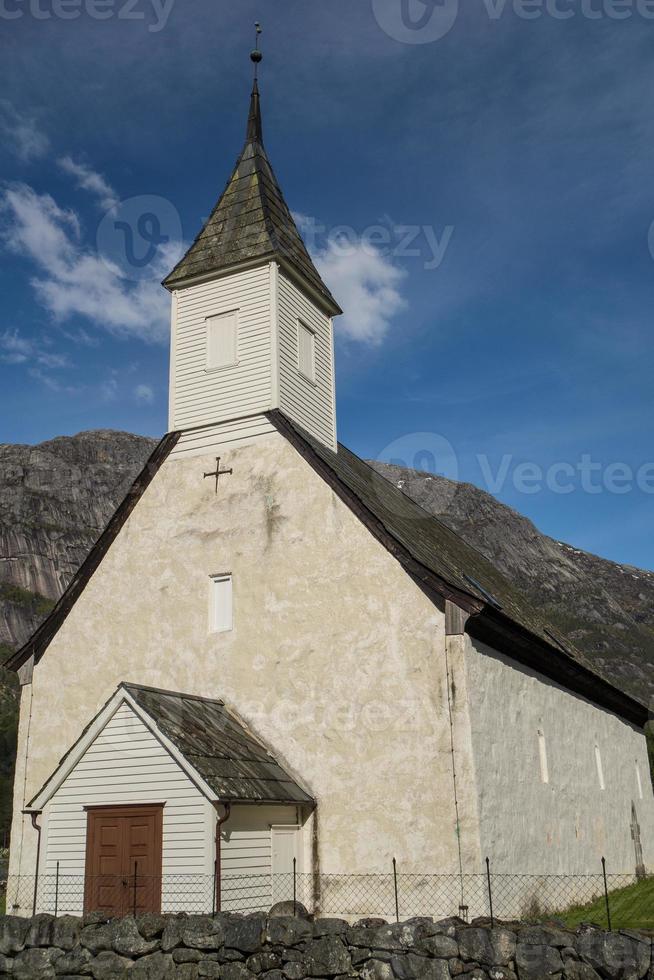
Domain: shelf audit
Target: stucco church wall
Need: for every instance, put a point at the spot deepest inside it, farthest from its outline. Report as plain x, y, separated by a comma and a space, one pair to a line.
336, 656
568, 824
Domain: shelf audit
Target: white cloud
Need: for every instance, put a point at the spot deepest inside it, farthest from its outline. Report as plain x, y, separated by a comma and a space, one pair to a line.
21, 134
89, 180
364, 281
16, 349
144, 394
73, 280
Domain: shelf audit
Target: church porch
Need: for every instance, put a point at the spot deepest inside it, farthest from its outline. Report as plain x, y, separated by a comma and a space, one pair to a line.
165, 803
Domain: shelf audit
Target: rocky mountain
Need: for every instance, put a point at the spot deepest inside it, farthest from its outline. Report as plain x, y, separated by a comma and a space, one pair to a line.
56, 497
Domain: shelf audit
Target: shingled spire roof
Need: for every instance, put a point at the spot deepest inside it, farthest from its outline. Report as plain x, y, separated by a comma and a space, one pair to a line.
251, 222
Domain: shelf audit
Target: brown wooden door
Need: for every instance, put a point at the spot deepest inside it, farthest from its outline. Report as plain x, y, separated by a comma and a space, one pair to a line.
123, 859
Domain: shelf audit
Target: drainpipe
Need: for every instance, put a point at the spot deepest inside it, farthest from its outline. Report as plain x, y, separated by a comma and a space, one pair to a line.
219, 826
33, 815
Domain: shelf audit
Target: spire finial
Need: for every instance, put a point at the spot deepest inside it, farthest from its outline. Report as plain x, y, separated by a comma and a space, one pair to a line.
255, 128
256, 56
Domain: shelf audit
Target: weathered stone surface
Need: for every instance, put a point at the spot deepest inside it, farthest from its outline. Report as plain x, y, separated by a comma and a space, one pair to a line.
66, 931
208, 968
35, 964
40, 932
326, 957
286, 931
501, 973
6, 964
186, 971
376, 970
284, 909
294, 971
537, 962
99, 939
12, 934
235, 971
172, 934
108, 965
370, 923
443, 947
181, 955
265, 960
151, 926
76, 961
329, 927
155, 966
128, 941
613, 955
494, 947
202, 932
244, 934
575, 970
414, 967
546, 936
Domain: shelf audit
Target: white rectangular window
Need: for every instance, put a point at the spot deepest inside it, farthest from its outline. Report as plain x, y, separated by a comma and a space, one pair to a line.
600, 768
220, 612
542, 753
639, 782
306, 351
222, 340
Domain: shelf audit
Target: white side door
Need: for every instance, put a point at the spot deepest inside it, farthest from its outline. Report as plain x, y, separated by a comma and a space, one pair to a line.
285, 849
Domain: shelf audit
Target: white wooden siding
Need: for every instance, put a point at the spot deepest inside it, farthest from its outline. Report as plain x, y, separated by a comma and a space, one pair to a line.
127, 764
309, 404
247, 857
228, 435
201, 397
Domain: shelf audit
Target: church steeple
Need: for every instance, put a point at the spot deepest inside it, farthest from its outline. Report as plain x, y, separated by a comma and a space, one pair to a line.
251, 317
251, 223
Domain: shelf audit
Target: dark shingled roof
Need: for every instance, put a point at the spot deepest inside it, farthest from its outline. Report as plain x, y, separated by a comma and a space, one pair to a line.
236, 766
251, 222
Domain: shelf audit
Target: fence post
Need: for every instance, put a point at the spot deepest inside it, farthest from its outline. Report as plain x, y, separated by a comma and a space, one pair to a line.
606, 896
490, 893
397, 903
294, 886
213, 897
136, 867
56, 891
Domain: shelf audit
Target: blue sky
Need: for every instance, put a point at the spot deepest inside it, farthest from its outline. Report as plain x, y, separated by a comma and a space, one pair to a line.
495, 188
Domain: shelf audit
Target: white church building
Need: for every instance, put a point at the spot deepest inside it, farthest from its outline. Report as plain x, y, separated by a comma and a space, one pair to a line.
274, 659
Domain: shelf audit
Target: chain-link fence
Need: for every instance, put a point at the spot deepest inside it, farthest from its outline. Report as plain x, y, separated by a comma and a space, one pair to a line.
388, 896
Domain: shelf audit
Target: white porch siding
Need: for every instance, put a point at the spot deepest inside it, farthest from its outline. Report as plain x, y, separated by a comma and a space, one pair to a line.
127, 764
247, 857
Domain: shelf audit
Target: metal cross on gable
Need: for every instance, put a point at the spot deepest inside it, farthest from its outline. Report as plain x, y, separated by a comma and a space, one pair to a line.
218, 472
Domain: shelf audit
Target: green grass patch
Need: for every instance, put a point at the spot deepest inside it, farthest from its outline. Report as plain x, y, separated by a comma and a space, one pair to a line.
631, 908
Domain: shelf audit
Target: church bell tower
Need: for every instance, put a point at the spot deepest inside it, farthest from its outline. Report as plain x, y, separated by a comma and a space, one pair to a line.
251, 318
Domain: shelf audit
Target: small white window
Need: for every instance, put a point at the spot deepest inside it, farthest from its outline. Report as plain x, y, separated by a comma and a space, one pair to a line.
306, 351
542, 752
220, 610
600, 767
222, 340
639, 781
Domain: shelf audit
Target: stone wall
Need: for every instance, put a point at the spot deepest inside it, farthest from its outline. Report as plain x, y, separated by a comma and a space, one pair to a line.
232, 947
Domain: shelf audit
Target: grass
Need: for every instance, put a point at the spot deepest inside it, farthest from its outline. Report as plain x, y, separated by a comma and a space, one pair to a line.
631, 908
